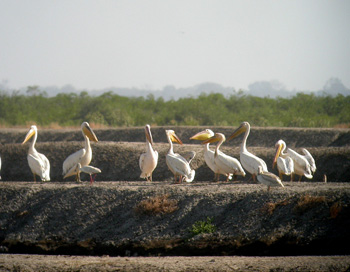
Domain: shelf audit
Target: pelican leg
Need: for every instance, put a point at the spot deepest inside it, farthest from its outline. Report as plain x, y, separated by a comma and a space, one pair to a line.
150, 178
34, 177
300, 178
91, 180
78, 177
280, 175
291, 177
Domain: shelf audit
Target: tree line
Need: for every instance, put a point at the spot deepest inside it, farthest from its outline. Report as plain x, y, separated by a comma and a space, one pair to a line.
112, 110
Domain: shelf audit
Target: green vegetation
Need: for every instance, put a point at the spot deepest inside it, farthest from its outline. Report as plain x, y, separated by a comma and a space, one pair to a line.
200, 227
111, 110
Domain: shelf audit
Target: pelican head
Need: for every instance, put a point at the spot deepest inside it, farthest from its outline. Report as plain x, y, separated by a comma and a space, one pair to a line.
87, 131
32, 131
203, 135
242, 128
217, 137
280, 147
148, 134
172, 136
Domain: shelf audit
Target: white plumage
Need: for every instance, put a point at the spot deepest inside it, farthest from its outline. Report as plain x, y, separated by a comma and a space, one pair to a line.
38, 163
302, 166
148, 161
285, 164
82, 156
249, 161
176, 163
225, 164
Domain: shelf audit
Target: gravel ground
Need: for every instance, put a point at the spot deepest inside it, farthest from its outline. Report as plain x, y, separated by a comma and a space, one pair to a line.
37, 263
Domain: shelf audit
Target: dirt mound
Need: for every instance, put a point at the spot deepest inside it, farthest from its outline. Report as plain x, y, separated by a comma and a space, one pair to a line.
62, 218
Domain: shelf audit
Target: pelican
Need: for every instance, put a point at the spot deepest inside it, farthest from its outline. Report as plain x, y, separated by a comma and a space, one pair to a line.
176, 163
148, 161
269, 179
302, 166
88, 169
225, 164
249, 161
38, 163
208, 154
82, 156
285, 164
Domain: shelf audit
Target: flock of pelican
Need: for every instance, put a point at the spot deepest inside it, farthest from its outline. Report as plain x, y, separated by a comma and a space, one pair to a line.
288, 161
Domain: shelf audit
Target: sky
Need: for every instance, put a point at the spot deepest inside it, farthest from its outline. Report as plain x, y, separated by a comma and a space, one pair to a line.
151, 44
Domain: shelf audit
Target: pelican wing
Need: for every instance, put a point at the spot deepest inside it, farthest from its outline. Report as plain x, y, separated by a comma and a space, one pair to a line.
251, 162
88, 169
142, 160
179, 166
310, 159
228, 164
301, 165
40, 166
285, 165
72, 161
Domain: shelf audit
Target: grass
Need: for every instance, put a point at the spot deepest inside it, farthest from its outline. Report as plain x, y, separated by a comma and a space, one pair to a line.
200, 227
157, 205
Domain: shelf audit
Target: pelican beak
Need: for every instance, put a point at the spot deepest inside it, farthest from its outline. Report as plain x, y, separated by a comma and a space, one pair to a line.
175, 139
30, 133
201, 136
148, 134
237, 132
278, 152
89, 133
213, 139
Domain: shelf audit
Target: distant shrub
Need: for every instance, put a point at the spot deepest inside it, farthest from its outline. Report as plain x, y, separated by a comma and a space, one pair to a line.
308, 202
200, 227
157, 205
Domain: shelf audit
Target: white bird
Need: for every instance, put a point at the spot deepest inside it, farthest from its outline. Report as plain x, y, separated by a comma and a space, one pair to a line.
175, 162
38, 163
208, 154
269, 179
82, 156
302, 166
285, 164
226, 165
249, 161
88, 169
148, 161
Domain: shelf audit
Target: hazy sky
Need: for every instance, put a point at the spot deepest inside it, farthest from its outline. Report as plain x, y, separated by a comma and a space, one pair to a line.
149, 44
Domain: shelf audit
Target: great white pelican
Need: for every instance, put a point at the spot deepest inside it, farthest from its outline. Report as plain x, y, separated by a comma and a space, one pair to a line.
285, 164
268, 179
38, 163
148, 161
249, 161
226, 165
177, 164
208, 154
82, 156
304, 165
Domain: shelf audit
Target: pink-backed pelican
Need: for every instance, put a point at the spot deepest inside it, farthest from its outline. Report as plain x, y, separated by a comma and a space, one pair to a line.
269, 179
